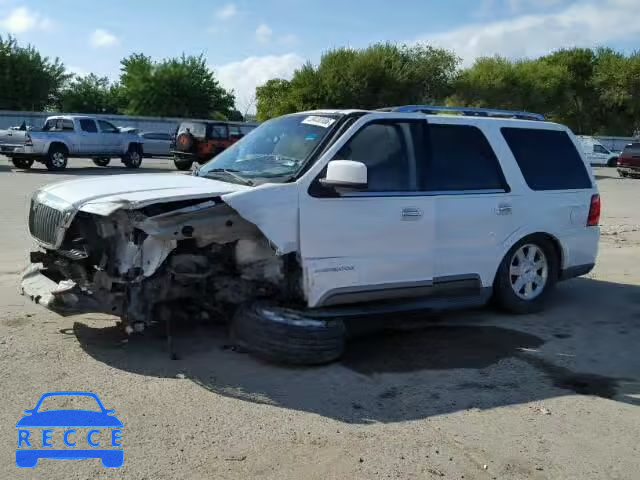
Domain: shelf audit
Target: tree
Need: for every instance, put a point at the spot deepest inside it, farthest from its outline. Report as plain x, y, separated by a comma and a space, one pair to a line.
28, 81
381, 75
90, 94
176, 87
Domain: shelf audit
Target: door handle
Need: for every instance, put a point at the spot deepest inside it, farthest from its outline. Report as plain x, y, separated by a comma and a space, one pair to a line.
411, 213
504, 209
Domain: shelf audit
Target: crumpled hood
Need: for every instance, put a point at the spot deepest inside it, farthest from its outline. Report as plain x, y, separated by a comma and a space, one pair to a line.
105, 194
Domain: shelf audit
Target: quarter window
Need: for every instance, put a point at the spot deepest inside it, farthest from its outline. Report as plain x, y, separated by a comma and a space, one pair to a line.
459, 157
383, 148
548, 159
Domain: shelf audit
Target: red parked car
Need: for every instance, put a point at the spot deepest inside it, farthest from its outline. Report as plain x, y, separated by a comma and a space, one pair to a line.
629, 161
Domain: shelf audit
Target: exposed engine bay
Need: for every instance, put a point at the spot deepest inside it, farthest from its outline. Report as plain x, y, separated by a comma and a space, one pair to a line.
133, 263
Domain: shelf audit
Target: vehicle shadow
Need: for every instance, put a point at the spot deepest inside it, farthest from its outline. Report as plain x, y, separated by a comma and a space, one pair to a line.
585, 343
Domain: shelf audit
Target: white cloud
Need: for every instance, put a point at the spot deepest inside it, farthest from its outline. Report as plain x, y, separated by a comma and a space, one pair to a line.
102, 38
244, 76
20, 20
585, 24
264, 33
227, 12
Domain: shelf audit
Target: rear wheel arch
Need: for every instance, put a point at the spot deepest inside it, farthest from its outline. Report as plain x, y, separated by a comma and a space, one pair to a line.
56, 145
560, 254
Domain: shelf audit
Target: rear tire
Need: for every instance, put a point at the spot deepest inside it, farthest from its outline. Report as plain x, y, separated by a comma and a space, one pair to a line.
57, 158
183, 164
527, 275
283, 335
613, 162
133, 157
102, 161
623, 174
22, 163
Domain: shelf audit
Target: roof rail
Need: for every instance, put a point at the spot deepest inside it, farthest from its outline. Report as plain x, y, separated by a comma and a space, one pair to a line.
467, 111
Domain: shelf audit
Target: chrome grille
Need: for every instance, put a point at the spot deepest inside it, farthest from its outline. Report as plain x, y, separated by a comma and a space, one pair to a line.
44, 222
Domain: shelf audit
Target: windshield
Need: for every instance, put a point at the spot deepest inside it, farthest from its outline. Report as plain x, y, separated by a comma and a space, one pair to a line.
277, 148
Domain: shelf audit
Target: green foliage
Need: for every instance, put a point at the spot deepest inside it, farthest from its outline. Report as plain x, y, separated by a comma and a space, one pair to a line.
91, 94
381, 75
176, 87
28, 81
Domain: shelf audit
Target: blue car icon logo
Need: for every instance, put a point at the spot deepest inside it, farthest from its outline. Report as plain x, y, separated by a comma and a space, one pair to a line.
41, 431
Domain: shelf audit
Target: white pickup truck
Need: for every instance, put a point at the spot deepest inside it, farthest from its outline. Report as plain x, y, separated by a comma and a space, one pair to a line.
66, 136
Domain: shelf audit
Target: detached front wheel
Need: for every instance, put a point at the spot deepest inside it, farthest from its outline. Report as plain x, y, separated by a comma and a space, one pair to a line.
527, 275
284, 335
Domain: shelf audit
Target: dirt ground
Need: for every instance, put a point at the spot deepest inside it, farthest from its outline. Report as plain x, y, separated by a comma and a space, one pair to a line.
472, 395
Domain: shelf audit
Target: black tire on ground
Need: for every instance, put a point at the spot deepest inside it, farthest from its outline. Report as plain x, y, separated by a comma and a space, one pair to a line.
286, 336
23, 163
504, 286
133, 157
613, 162
102, 161
182, 164
57, 158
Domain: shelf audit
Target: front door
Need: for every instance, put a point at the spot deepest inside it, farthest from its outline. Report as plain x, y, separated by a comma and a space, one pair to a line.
374, 244
110, 138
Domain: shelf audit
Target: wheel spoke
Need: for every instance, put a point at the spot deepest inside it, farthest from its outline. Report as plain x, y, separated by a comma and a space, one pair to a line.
515, 270
539, 281
520, 256
519, 284
540, 264
531, 253
528, 289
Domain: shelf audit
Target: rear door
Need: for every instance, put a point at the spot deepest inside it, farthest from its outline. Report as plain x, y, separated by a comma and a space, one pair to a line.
360, 246
472, 203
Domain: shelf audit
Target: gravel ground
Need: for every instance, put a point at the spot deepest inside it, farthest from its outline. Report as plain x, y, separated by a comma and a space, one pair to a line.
473, 394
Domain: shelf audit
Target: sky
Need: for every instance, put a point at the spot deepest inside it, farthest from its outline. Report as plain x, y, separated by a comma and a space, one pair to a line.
247, 42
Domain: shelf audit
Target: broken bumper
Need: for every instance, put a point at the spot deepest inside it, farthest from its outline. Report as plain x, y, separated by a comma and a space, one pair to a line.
64, 298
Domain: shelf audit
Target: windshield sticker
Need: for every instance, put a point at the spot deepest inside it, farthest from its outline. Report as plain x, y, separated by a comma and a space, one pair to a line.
324, 122
311, 137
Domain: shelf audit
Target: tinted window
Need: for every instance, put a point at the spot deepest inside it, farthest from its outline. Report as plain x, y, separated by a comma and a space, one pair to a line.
382, 147
107, 127
547, 158
459, 157
88, 125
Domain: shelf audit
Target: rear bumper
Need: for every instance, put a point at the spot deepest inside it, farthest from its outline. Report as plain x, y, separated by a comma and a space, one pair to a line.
17, 151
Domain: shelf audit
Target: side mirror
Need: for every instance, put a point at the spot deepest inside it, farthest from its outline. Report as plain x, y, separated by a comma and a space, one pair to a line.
345, 174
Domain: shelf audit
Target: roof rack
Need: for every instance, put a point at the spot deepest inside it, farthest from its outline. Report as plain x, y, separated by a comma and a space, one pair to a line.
467, 111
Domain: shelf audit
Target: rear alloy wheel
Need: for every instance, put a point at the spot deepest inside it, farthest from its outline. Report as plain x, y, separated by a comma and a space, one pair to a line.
102, 161
183, 164
133, 158
527, 275
56, 158
23, 163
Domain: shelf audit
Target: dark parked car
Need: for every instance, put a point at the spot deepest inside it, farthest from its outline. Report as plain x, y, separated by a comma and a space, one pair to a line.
200, 141
629, 161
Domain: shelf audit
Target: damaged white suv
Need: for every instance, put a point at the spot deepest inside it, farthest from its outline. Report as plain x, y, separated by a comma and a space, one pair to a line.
327, 215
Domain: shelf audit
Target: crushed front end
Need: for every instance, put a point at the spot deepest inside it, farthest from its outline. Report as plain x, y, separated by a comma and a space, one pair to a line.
137, 262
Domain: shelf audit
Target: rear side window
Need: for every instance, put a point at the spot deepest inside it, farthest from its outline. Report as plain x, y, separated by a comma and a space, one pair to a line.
88, 125
547, 159
459, 158
218, 132
67, 125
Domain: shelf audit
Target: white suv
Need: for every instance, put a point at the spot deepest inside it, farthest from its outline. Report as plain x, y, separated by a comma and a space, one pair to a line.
327, 214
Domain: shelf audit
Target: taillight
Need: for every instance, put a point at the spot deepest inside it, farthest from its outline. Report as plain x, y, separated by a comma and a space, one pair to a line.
27, 140
594, 212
